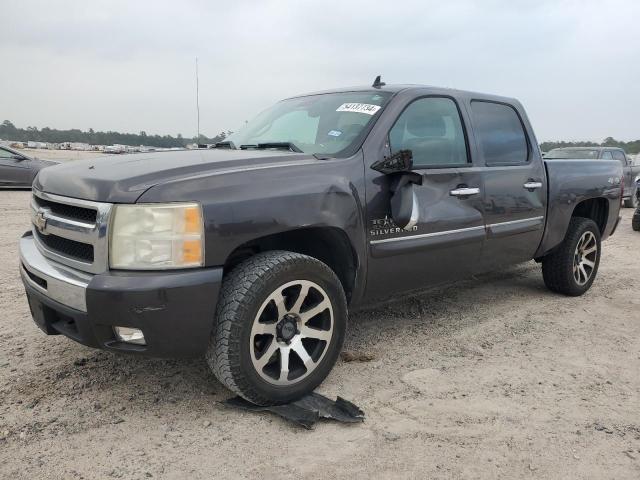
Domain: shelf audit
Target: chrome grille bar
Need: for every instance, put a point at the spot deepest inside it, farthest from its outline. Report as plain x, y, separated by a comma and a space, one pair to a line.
46, 222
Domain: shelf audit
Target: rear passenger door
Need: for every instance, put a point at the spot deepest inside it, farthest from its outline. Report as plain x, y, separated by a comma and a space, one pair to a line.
514, 194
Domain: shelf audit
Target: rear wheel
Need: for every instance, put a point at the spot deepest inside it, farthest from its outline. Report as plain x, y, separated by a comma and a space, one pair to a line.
280, 325
572, 268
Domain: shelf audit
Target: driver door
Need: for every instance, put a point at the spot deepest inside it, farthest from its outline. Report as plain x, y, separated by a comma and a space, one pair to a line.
446, 241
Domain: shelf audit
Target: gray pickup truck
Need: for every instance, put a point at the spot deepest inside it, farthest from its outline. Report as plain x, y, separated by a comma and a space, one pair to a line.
251, 254
630, 168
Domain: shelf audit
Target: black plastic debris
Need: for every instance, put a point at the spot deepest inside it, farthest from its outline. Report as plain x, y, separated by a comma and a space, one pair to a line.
307, 410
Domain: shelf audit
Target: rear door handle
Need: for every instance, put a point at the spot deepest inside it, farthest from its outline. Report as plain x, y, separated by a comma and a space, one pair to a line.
532, 185
464, 191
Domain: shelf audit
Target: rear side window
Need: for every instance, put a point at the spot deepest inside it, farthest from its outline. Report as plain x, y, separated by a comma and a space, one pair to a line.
431, 128
500, 133
607, 155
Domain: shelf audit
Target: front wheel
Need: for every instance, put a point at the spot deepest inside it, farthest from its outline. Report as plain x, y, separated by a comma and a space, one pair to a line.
280, 325
572, 268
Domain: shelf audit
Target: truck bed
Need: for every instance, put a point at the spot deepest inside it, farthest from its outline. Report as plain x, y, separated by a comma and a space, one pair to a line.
571, 182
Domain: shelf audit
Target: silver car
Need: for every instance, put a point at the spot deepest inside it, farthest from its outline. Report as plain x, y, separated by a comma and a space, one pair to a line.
18, 170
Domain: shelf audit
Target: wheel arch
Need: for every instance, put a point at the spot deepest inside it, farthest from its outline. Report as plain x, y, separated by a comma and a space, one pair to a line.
596, 209
330, 245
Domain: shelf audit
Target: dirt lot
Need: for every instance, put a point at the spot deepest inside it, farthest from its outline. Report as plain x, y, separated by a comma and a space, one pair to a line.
494, 377
60, 155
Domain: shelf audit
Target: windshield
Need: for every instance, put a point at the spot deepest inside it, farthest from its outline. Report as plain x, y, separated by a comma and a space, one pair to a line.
327, 123
581, 153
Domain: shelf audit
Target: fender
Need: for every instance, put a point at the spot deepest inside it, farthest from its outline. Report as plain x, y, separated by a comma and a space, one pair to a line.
245, 205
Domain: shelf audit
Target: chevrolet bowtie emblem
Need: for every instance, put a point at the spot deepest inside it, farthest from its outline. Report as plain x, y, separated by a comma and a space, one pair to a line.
40, 220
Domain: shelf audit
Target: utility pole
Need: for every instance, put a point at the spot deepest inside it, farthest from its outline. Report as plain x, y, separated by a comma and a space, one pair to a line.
198, 101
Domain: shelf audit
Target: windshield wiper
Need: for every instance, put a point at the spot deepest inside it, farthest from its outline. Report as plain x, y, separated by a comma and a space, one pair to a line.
227, 144
260, 146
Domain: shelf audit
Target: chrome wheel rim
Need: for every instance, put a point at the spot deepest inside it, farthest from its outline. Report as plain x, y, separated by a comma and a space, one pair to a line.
291, 332
584, 258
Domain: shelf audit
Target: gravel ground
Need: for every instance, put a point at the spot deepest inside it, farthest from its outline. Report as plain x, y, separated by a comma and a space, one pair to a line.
61, 155
493, 377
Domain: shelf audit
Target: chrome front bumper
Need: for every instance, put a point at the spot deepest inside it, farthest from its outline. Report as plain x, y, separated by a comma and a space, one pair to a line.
58, 282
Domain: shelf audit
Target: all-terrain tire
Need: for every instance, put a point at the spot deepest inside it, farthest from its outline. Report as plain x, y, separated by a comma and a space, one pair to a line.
558, 267
243, 293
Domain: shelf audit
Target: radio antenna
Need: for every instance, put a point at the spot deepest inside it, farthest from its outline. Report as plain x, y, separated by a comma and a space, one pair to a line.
198, 102
377, 83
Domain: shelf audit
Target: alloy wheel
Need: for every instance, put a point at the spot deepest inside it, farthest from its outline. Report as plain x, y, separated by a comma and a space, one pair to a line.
291, 332
585, 257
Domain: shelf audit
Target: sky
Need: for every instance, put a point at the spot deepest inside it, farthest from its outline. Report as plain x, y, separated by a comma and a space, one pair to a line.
130, 66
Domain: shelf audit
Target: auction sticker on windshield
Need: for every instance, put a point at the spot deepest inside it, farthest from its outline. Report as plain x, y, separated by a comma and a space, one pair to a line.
359, 108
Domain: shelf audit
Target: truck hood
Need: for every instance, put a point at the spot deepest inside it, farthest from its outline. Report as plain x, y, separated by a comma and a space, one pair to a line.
124, 178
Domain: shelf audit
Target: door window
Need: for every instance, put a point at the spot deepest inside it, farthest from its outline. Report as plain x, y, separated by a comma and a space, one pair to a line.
431, 128
607, 156
500, 133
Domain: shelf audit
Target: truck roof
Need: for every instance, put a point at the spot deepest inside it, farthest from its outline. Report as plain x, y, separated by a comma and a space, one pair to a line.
428, 89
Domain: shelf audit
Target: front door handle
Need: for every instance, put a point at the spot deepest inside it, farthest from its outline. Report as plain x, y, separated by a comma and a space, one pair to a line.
464, 191
532, 185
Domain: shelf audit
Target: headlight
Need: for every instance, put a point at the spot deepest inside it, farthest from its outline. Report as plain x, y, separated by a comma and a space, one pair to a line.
157, 236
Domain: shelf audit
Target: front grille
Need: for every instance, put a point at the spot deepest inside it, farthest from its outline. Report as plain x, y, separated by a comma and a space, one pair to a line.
71, 231
67, 247
86, 215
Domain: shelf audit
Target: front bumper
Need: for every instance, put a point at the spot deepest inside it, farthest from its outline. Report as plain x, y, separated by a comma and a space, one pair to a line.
174, 309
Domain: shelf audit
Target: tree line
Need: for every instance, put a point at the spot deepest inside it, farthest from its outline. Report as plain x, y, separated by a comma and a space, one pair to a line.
629, 147
8, 131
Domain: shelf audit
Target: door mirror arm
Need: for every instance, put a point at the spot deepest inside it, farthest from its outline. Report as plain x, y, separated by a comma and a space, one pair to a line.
398, 162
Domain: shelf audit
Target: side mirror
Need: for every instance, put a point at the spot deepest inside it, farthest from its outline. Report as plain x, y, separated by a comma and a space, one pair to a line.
399, 162
404, 205
403, 182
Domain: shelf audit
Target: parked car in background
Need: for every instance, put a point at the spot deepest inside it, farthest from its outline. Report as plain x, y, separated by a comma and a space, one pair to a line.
18, 170
630, 166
